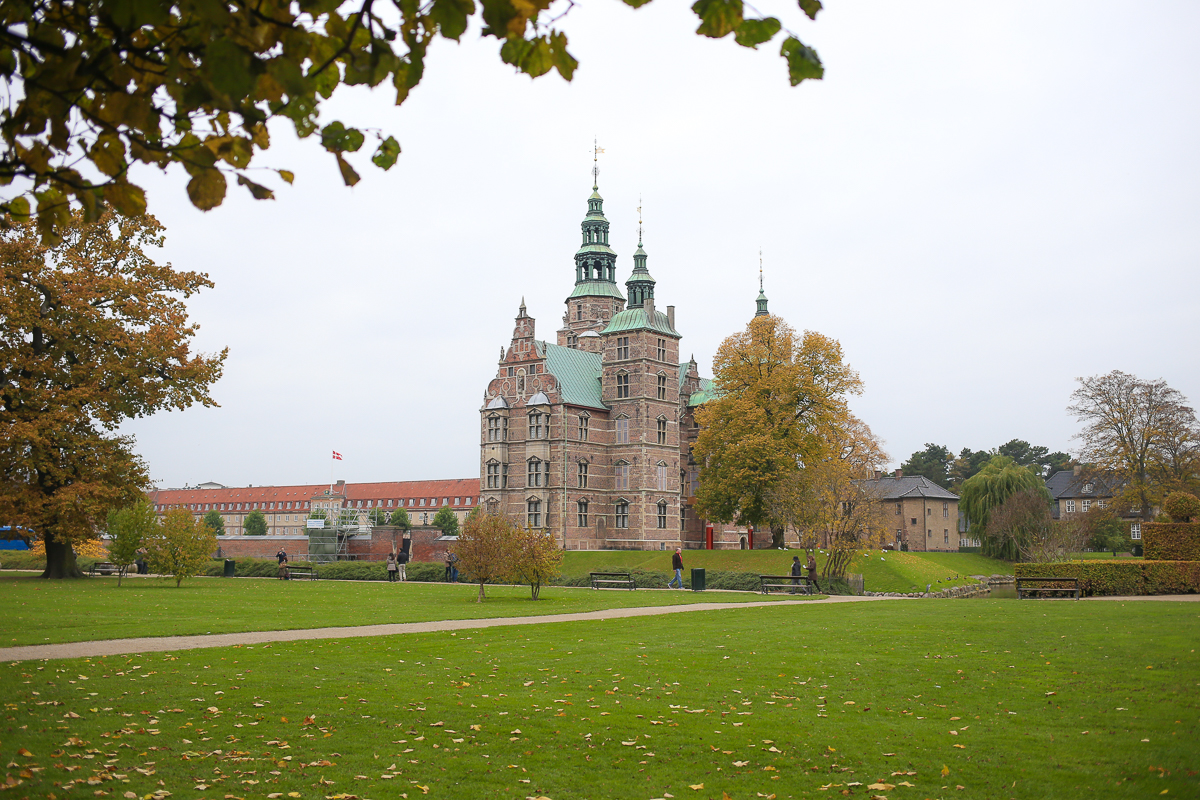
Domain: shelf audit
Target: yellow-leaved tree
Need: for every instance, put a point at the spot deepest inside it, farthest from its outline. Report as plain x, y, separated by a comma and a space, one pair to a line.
486, 547
780, 399
536, 558
92, 332
180, 546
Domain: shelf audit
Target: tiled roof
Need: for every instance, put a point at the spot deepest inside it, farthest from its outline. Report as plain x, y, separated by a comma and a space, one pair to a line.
391, 490
578, 375
1066, 484
635, 319
596, 289
890, 487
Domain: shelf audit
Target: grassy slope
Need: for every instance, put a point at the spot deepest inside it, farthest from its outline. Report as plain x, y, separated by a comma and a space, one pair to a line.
38, 611
1062, 700
897, 572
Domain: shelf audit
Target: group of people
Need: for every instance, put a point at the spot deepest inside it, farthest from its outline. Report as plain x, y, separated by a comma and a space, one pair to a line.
797, 569
396, 566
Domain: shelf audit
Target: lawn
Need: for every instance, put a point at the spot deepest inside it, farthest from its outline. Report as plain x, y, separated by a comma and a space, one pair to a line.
1022, 699
882, 571
39, 611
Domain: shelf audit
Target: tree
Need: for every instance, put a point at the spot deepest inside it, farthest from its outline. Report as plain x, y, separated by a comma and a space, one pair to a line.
1036, 457
1104, 530
400, 520
536, 558
1022, 525
486, 548
999, 480
215, 522
967, 465
255, 523
377, 516
446, 521
180, 545
95, 86
831, 504
933, 462
128, 528
1139, 430
92, 333
778, 399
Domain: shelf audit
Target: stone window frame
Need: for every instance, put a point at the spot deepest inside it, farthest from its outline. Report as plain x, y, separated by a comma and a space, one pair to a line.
538, 428
662, 515
492, 471
662, 385
946, 509
497, 428
621, 429
584, 419
534, 472
582, 472
621, 513
533, 512
622, 348
623, 385
662, 428
660, 475
621, 474
581, 511
662, 350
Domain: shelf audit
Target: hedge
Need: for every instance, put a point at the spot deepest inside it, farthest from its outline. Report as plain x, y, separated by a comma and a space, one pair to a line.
1129, 578
1171, 541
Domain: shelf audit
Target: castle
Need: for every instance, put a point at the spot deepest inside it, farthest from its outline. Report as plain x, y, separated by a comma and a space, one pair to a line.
590, 436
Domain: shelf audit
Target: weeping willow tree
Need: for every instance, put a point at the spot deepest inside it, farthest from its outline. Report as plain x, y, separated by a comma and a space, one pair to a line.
1000, 479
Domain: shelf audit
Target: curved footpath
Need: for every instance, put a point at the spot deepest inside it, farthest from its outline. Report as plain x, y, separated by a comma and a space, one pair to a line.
156, 644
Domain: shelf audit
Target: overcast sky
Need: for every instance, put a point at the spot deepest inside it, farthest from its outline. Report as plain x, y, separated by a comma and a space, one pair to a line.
982, 202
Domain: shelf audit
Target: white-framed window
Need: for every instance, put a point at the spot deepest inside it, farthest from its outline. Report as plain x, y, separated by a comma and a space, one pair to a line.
661, 477
946, 536
1135, 531
621, 474
622, 347
583, 427
1087, 488
1086, 505
622, 430
582, 509
622, 385
1100, 503
1070, 506
622, 514
583, 475
535, 473
456, 500
422, 501
662, 431
533, 513
662, 514
945, 509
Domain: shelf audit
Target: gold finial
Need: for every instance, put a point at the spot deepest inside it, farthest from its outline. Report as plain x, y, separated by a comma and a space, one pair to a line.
596, 151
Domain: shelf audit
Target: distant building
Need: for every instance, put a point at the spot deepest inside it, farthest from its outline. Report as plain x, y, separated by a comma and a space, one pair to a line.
923, 515
287, 507
1074, 492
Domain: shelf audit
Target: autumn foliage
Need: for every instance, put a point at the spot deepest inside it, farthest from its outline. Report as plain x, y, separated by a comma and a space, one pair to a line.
180, 546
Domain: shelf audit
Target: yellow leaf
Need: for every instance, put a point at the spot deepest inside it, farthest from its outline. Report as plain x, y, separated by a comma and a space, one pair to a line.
696, 786
961, 746
21, 751
945, 770
883, 787
831, 749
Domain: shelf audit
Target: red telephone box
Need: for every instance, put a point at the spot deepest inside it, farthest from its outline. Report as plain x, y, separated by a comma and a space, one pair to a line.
708, 536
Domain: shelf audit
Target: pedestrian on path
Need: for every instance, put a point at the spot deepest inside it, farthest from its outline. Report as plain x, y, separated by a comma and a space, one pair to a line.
797, 572
812, 571
391, 567
401, 561
677, 565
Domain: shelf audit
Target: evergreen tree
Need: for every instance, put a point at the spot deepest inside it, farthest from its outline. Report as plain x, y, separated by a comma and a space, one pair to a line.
933, 463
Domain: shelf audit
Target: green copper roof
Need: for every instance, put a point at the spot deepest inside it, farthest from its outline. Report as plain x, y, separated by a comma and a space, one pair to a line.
702, 395
596, 247
634, 319
596, 289
577, 373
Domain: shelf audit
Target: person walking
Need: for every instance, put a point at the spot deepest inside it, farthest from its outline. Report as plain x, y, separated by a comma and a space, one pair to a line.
677, 565
401, 560
812, 571
391, 567
797, 572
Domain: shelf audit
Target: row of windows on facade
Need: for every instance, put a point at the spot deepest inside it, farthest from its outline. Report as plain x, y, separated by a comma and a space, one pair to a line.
298, 504
538, 475
928, 511
660, 351
533, 514
1086, 505
539, 428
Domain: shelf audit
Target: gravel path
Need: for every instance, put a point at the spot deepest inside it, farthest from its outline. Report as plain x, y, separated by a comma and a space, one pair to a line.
112, 647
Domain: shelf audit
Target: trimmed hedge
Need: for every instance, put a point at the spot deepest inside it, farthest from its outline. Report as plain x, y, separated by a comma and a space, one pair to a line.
1171, 541
1127, 578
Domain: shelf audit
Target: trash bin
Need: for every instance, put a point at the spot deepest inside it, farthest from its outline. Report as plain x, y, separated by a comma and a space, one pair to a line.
697, 579
230, 564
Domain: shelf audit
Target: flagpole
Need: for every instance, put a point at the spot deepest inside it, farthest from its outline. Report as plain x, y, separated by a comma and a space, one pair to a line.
331, 471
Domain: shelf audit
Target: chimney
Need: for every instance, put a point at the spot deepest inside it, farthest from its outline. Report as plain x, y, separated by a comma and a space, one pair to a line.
648, 304
899, 473
1078, 469
671, 316
878, 474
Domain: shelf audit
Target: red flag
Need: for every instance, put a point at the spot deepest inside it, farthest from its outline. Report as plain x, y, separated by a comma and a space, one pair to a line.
337, 455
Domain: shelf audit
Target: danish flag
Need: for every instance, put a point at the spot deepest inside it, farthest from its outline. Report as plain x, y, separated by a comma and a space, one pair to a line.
337, 455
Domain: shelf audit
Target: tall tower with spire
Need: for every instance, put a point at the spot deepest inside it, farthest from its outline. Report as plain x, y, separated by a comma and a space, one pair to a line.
761, 303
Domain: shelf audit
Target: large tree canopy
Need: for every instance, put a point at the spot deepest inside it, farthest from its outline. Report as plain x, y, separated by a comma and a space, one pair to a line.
92, 333
94, 86
779, 399
987, 490
1141, 431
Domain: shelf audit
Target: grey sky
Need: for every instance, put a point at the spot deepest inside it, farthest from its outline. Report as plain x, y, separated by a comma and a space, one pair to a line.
980, 201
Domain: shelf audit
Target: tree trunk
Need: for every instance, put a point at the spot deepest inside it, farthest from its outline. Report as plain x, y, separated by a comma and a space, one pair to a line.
60, 560
777, 537
534, 589
480, 598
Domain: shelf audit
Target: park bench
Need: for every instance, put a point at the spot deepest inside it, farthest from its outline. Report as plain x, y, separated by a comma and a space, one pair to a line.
794, 584
622, 580
295, 570
1037, 587
104, 568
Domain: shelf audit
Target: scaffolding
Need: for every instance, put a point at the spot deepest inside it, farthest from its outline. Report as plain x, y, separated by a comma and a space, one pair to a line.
332, 542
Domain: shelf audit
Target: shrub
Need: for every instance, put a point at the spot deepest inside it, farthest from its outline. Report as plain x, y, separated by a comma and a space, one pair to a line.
1171, 541
1127, 578
1181, 506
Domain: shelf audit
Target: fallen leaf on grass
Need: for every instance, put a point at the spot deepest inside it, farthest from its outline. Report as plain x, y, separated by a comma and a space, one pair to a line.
961, 746
905, 783
883, 787
21, 751
696, 786
945, 770
740, 763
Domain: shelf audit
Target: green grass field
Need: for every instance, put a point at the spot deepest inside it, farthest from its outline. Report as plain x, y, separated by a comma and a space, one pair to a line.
896, 699
40, 612
881, 571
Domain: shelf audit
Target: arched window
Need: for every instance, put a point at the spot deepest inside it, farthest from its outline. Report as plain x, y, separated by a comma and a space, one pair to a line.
622, 515
662, 514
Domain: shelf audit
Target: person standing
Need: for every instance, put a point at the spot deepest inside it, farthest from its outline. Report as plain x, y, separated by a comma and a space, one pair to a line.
453, 559
391, 567
401, 560
812, 571
797, 572
283, 567
677, 565
449, 566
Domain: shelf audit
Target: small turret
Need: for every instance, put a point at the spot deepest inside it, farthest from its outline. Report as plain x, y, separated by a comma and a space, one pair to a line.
761, 303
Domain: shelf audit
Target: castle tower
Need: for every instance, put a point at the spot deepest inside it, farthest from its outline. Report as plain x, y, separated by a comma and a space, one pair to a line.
596, 298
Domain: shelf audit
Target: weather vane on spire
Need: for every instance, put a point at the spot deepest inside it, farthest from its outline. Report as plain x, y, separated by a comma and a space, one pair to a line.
639, 220
760, 282
596, 151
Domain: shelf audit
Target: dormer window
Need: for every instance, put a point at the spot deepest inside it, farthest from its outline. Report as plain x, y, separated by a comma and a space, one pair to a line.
1087, 488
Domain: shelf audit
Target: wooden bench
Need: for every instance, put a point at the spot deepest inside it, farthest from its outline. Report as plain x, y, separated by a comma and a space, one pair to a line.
793, 584
105, 568
615, 580
295, 570
1039, 587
